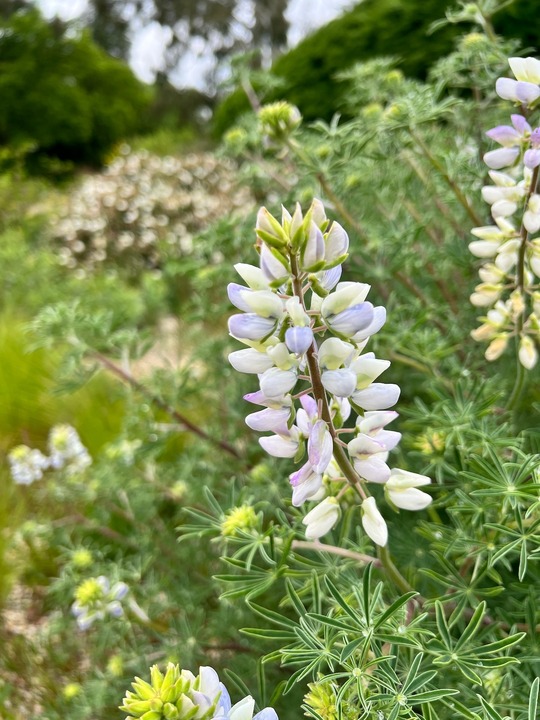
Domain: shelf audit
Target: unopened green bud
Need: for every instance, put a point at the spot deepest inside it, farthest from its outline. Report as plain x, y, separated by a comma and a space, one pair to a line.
170, 712
238, 519
279, 119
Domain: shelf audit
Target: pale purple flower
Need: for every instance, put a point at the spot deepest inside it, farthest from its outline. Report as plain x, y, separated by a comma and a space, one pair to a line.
319, 446
250, 326
269, 420
503, 157
299, 339
305, 483
352, 320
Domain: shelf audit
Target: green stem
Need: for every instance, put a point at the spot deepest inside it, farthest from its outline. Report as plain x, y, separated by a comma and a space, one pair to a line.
340, 455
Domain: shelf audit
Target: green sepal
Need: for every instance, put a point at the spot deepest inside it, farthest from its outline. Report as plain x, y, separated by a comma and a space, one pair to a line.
299, 453
339, 261
271, 239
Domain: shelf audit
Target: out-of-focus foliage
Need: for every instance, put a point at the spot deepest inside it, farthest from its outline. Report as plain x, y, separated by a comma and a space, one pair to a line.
310, 72
172, 455
62, 96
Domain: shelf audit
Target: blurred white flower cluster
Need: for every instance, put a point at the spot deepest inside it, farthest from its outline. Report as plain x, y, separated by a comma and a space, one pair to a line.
143, 207
510, 277
66, 452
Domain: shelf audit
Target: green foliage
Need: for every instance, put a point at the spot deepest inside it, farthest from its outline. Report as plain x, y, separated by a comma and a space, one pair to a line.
312, 72
86, 101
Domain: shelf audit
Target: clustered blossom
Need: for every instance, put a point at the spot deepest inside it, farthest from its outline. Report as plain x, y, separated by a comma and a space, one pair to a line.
510, 287
66, 452
307, 388
144, 207
180, 695
95, 598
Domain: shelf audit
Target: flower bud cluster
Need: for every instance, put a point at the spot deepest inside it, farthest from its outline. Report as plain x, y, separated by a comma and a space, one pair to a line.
305, 333
180, 695
66, 452
510, 287
95, 598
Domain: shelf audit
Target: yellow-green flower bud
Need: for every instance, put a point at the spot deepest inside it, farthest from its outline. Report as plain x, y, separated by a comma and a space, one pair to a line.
238, 519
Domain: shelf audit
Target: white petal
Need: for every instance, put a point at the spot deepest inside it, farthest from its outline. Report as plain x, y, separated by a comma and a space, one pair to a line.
276, 382
243, 710
373, 522
278, 446
250, 361
378, 396
410, 499
341, 383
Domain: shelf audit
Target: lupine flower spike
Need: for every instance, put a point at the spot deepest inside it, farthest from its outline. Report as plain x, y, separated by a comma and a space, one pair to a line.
179, 695
298, 320
510, 287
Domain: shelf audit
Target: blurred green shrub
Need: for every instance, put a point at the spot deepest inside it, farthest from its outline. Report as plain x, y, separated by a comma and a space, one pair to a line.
62, 96
373, 28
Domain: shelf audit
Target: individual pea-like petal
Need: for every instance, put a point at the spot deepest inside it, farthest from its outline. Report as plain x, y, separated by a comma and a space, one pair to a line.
259, 398
520, 123
531, 158
503, 157
402, 491
341, 383
345, 296
333, 353
484, 248
337, 243
352, 320
528, 354
305, 483
250, 361
250, 326
237, 297
503, 208
318, 213
312, 256
374, 421
531, 221
320, 447
299, 339
270, 419
506, 89
296, 312
379, 318
252, 275
330, 278
279, 446
276, 382
266, 714
373, 469
367, 368
527, 92
378, 396
496, 348
321, 519
505, 135
273, 269
242, 710
265, 303
373, 522
527, 69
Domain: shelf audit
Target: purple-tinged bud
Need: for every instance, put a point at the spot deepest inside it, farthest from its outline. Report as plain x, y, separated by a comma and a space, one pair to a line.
521, 125
351, 321
337, 244
273, 268
269, 420
250, 326
259, 398
535, 137
263, 302
378, 396
497, 159
305, 483
379, 318
299, 339
312, 256
531, 159
330, 278
504, 135
320, 447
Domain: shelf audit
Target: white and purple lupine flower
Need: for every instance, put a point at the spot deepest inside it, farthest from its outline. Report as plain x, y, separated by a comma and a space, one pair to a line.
95, 598
509, 280
306, 331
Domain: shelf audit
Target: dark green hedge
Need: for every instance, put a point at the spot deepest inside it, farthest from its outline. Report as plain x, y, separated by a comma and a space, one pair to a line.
61, 94
373, 28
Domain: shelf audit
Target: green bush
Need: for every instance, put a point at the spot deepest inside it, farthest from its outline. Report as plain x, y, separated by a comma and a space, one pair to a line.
374, 28
62, 96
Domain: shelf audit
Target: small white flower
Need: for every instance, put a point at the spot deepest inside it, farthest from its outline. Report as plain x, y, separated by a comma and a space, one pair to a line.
321, 519
402, 490
373, 522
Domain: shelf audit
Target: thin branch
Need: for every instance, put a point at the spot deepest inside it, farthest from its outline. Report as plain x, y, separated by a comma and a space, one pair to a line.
162, 405
335, 550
